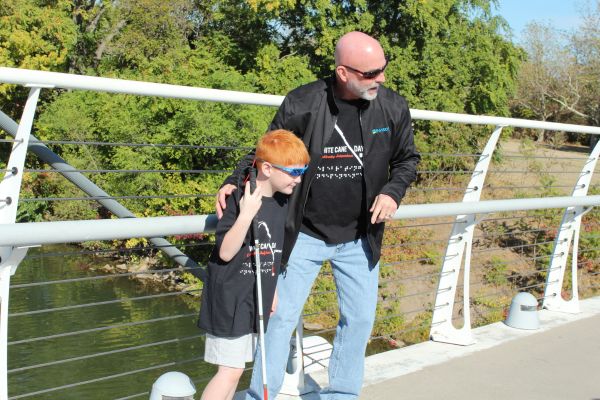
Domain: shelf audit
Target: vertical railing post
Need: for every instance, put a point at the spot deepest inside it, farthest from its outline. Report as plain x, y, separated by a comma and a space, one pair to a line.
568, 231
10, 257
459, 248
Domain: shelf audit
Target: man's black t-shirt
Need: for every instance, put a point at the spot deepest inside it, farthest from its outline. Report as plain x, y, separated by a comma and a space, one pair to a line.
229, 303
335, 210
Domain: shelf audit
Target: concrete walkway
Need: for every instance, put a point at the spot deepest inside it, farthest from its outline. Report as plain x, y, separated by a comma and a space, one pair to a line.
560, 364
560, 361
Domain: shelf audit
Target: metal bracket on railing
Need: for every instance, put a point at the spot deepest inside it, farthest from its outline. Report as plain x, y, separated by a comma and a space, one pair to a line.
10, 188
459, 245
568, 231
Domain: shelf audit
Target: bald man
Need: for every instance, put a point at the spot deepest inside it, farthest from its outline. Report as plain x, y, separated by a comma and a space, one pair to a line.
363, 159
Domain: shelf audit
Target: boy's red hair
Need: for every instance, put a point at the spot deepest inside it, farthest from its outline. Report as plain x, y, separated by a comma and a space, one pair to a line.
281, 147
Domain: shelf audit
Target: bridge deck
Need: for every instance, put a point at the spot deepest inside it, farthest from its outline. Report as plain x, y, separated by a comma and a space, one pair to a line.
559, 361
558, 364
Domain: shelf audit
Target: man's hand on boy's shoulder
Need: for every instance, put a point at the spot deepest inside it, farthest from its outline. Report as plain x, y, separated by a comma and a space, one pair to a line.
221, 203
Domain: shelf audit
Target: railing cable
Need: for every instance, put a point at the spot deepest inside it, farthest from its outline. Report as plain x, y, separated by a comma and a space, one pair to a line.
132, 197
99, 329
105, 378
105, 353
133, 171
157, 145
102, 303
108, 276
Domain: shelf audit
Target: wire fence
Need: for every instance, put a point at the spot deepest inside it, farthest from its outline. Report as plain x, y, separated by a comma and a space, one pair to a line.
67, 310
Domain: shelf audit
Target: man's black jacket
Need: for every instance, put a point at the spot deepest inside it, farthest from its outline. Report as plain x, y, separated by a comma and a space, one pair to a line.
390, 157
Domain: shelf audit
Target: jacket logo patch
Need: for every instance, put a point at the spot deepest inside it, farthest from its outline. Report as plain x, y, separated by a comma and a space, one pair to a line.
380, 130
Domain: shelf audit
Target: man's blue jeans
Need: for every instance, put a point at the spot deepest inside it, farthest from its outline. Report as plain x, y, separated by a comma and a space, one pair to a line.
356, 279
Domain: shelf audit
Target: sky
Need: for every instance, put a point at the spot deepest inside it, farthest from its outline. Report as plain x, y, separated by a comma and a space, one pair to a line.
562, 14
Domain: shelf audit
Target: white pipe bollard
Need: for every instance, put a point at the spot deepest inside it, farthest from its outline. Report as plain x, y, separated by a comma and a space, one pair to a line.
173, 386
294, 383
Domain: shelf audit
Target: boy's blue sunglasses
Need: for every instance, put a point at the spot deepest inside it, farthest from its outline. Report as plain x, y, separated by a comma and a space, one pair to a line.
295, 172
291, 171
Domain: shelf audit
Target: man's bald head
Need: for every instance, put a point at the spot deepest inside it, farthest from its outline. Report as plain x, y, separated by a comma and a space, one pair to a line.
359, 66
356, 46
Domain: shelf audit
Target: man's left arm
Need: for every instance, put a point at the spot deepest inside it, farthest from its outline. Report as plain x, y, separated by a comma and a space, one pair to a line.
402, 168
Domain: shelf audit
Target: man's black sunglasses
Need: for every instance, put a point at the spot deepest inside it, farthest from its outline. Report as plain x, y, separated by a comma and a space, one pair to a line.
368, 74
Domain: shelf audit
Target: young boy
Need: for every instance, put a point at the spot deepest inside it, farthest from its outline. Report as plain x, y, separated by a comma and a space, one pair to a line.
229, 312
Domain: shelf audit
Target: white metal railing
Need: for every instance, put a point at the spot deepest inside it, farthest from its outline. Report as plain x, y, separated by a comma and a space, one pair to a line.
15, 237
42, 233
55, 80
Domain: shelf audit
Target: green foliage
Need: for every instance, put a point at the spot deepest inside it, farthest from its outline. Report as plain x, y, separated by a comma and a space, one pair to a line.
237, 31
278, 75
431, 256
488, 309
88, 116
390, 319
193, 282
386, 271
33, 35
150, 29
321, 307
495, 271
417, 330
33, 186
447, 55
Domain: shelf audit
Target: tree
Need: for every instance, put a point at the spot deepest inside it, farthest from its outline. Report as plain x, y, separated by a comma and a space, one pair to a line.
560, 81
33, 35
445, 55
539, 76
586, 47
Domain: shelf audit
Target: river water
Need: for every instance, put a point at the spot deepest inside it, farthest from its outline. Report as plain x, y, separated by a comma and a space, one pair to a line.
46, 353
59, 349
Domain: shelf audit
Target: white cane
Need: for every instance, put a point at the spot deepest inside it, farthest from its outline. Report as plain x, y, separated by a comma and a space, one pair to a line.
261, 329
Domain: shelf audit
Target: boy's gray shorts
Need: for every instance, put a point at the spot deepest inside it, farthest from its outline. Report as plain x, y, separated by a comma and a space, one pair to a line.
232, 352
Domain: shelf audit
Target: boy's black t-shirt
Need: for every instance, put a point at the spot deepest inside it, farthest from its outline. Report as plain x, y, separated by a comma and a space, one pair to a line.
229, 302
335, 210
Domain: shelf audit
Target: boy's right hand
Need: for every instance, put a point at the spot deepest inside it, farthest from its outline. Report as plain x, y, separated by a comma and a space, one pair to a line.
250, 203
221, 202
